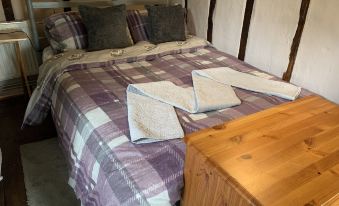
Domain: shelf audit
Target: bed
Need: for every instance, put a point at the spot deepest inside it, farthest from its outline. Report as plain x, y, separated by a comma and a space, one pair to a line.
86, 93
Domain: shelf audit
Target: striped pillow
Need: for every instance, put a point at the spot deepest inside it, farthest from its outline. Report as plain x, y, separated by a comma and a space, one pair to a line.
66, 31
138, 25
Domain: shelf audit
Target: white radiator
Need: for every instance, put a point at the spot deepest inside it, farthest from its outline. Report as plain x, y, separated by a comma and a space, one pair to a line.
8, 62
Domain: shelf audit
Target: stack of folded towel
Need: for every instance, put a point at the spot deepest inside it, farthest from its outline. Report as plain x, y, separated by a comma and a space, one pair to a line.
151, 114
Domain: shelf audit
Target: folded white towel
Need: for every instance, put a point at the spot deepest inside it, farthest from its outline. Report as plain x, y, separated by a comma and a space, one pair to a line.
250, 82
151, 120
151, 115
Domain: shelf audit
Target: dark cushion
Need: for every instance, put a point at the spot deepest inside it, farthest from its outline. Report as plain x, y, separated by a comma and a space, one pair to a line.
106, 27
166, 23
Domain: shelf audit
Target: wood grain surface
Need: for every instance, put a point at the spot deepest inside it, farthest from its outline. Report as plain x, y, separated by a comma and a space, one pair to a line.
287, 155
9, 36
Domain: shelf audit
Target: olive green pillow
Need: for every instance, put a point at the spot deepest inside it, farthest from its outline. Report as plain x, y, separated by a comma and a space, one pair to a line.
106, 27
166, 23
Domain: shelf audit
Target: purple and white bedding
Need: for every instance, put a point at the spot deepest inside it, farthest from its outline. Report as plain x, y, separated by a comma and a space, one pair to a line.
86, 92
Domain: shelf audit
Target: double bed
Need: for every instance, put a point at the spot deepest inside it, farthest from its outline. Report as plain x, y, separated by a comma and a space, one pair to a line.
86, 93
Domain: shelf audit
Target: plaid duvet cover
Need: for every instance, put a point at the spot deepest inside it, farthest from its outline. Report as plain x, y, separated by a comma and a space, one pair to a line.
88, 102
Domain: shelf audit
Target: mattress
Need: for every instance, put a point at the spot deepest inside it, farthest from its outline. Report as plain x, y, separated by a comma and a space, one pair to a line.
87, 95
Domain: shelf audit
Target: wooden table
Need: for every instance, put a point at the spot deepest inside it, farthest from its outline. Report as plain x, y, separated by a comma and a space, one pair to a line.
287, 155
14, 36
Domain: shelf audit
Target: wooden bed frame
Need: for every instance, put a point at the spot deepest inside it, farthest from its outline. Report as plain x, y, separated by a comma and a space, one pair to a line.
31, 5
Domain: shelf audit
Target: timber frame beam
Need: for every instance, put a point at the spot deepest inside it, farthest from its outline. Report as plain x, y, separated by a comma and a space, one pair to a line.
296, 39
8, 10
210, 20
245, 29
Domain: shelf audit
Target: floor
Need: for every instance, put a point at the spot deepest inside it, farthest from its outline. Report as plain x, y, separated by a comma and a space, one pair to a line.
46, 176
12, 188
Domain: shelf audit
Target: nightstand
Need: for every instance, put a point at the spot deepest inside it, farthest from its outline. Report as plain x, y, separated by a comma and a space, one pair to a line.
14, 37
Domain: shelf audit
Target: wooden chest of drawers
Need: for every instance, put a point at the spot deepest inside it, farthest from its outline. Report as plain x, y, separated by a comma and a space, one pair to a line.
287, 155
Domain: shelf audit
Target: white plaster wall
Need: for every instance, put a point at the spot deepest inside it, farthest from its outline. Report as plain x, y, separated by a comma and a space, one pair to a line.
19, 9
271, 32
2, 13
227, 25
317, 63
198, 17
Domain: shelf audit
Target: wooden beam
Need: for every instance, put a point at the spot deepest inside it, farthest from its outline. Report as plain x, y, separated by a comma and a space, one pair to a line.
245, 28
296, 39
8, 10
210, 20
186, 9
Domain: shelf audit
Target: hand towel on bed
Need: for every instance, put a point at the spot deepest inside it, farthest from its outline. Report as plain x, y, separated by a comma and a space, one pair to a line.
151, 115
250, 82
